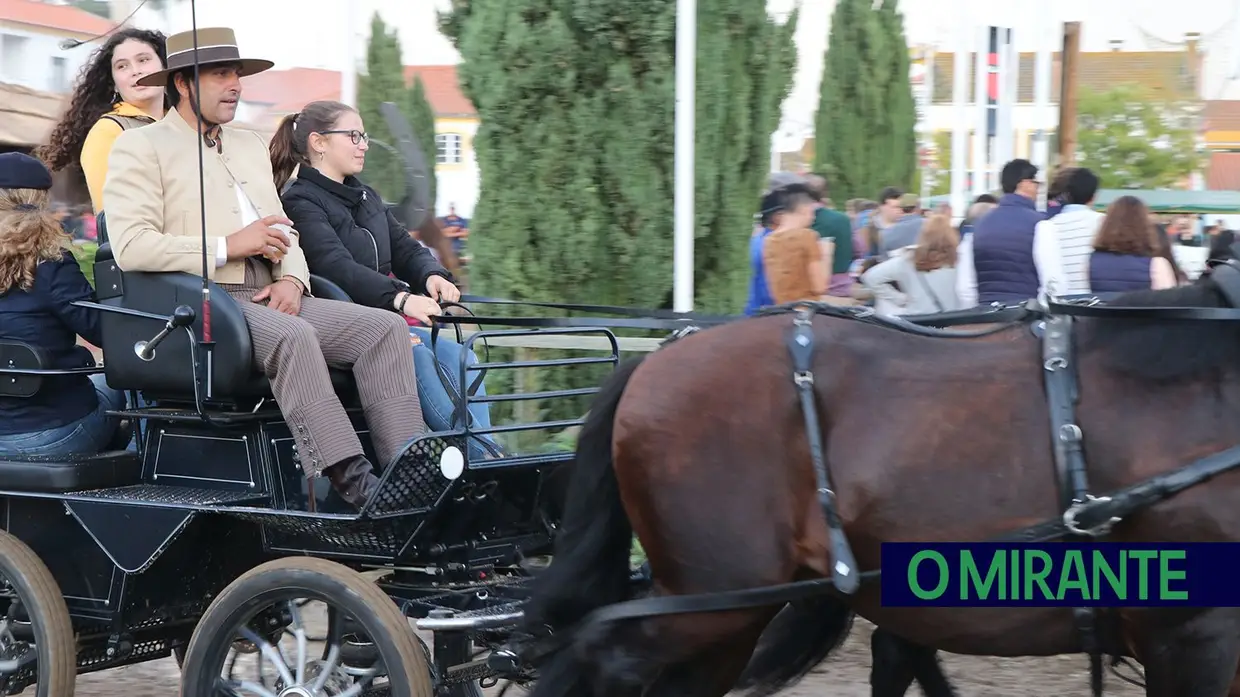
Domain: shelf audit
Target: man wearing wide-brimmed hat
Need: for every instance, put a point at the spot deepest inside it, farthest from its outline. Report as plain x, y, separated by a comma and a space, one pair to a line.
154, 220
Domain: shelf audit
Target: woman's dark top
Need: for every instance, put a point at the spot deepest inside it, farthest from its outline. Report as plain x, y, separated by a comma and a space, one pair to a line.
43, 318
351, 238
1117, 273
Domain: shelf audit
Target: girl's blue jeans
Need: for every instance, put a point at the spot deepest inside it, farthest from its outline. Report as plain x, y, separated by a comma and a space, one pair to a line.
437, 403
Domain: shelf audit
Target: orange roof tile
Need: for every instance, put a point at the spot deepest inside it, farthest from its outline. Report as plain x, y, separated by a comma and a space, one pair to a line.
1223, 173
1165, 72
289, 90
61, 18
443, 89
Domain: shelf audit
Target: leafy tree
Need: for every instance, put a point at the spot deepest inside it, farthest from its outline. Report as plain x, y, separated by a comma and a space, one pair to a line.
864, 129
422, 121
575, 148
384, 81
1133, 139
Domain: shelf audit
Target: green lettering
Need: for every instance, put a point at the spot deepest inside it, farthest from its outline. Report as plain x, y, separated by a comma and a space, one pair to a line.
1143, 557
971, 578
1038, 577
1014, 584
1102, 566
944, 576
1165, 574
1073, 563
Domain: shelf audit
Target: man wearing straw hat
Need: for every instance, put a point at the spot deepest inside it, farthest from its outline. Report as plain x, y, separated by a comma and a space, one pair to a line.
155, 218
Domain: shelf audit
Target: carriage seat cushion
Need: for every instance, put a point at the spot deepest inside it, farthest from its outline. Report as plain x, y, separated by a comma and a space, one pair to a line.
71, 472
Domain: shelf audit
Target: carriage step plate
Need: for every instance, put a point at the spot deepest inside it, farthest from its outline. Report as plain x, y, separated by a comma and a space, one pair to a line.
494, 616
173, 496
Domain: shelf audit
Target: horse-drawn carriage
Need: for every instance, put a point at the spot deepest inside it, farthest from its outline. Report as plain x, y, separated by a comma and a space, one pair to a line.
209, 531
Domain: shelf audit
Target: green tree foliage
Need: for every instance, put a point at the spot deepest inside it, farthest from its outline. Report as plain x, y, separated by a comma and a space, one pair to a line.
422, 121
575, 148
864, 128
576, 100
1133, 139
384, 81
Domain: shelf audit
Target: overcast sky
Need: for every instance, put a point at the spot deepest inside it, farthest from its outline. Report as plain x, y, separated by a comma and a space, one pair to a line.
312, 33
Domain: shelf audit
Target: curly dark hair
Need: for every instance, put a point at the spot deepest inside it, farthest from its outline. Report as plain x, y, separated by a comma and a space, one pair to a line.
92, 98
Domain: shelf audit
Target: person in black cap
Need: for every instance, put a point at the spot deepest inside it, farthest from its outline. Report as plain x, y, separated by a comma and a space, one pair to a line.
39, 281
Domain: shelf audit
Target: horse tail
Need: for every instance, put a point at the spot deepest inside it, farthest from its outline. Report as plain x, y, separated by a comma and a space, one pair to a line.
800, 637
590, 564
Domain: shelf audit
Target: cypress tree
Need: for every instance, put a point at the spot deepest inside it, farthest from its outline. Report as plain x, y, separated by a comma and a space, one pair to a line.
864, 137
901, 112
575, 148
422, 121
384, 81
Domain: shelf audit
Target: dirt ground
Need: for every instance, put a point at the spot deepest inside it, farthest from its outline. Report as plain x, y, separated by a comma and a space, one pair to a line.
845, 674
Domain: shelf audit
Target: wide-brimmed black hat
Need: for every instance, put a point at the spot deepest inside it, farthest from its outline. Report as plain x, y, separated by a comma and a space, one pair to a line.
215, 45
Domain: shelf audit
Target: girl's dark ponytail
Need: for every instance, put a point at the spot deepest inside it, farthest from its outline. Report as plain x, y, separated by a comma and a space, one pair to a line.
283, 149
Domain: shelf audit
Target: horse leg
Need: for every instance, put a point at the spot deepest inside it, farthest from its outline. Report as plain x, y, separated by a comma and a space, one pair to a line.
897, 662
676, 655
710, 673
1198, 657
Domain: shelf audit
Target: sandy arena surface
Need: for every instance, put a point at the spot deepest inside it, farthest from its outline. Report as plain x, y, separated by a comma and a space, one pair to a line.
845, 674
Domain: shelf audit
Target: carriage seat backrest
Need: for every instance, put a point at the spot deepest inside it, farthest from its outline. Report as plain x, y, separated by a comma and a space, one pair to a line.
327, 290
169, 373
20, 356
101, 229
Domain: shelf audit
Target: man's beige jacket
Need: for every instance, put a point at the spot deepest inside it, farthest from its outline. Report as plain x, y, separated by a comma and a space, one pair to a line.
151, 199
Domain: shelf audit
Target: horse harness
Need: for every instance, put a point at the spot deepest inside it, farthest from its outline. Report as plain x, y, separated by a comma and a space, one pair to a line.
1085, 515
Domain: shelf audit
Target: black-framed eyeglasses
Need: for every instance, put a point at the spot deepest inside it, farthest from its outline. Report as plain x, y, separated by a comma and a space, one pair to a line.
355, 135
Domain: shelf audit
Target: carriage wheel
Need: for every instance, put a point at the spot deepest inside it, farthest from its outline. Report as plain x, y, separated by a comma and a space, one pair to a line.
266, 604
36, 634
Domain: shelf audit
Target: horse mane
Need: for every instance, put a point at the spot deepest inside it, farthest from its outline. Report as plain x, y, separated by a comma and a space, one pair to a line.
1165, 349
431, 234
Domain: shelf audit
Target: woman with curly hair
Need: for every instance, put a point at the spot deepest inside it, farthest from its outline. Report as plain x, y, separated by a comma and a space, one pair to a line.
1127, 253
106, 101
39, 281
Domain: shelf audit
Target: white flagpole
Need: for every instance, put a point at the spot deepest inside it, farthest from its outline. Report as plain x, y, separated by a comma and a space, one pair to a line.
348, 72
686, 86
960, 119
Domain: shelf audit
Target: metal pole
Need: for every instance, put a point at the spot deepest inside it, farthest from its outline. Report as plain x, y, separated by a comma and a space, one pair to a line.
348, 73
1042, 99
981, 136
960, 120
686, 86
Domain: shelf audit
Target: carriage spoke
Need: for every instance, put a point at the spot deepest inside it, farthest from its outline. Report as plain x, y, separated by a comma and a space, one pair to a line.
272, 653
236, 688
299, 631
329, 667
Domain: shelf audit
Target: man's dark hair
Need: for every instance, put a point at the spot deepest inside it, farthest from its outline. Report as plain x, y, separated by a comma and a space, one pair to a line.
1082, 187
986, 198
888, 194
783, 199
1016, 172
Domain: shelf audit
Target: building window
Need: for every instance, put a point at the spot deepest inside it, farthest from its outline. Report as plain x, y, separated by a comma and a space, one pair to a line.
448, 149
12, 50
60, 75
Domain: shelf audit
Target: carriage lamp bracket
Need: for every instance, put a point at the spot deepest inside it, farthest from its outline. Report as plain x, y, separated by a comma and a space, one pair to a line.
1070, 515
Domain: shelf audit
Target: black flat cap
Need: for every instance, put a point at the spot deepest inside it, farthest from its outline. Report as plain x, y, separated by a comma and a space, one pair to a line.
19, 171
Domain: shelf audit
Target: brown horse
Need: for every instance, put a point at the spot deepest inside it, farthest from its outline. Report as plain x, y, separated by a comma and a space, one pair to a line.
701, 450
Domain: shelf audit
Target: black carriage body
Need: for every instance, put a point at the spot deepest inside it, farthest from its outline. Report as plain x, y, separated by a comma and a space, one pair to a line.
141, 542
